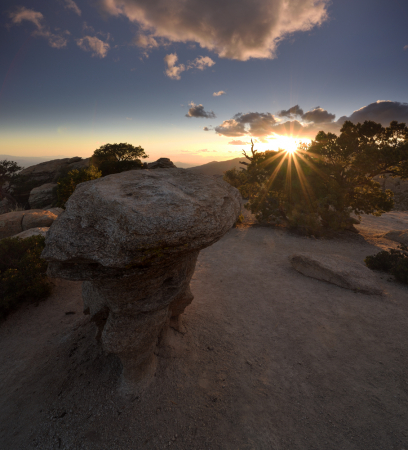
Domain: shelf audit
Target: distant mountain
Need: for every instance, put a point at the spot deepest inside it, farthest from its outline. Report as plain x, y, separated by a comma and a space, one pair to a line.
27, 161
182, 165
217, 167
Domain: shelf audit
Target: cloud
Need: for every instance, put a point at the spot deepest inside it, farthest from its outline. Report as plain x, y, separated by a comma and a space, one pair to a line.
198, 111
217, 94
70, 4
94, 45
35, 17
318, 115
145, 41
382, 111
231, 128
241, 30
405, 47
207, 129
201, 63
260, 124
173, 71
293, 111
238, 142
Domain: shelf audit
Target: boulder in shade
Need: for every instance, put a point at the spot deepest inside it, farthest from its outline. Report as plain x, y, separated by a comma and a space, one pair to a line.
134, 238
44, 196
338, 270
398, 236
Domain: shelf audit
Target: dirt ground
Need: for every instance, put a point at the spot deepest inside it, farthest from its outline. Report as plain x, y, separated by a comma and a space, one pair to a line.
271, 360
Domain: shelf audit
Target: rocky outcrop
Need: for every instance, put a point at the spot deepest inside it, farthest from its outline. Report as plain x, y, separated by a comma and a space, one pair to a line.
44, 196
50, 171
39, 231
397, 236
337, 270
161, 163
5, 206
400, 189
13, 223
134, 238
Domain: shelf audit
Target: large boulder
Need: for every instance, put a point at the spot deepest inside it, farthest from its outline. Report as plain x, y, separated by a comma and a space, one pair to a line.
337, 269
44, 196
50, 171
5, 206
397, 236
134, 238
15, 222
161, 163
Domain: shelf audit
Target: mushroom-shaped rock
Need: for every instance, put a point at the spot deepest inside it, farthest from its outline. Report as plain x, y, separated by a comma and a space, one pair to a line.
134, 238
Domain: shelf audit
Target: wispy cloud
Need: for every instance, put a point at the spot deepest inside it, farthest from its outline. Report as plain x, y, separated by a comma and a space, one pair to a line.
174, 71
42, 30
217, 94
198, 111
238, 142
406, 47
201, 63
70, 4
253, 29
94, 45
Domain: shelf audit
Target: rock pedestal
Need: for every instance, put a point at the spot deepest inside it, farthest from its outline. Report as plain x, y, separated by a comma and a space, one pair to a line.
134, 238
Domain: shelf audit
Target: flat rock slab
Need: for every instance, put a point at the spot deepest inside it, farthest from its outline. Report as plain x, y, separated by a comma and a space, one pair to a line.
39, 231
338, 270
397, 236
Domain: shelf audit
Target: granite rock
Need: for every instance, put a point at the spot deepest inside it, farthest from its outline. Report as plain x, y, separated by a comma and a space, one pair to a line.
134, 238
337, 269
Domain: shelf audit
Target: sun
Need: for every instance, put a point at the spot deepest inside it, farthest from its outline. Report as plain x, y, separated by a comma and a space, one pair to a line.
287, 143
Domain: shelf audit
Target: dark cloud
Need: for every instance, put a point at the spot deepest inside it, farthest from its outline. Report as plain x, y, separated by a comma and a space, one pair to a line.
382, 111
318, 115
293, 111
198, 111
260, 124
206, 129
231, 128
241, 30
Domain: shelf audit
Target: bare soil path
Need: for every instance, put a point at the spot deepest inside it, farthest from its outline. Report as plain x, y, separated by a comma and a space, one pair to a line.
271, 360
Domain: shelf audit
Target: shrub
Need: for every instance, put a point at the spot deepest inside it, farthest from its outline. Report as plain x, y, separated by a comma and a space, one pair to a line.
67, 184
319, 186
393, 261
116, 158
22, 272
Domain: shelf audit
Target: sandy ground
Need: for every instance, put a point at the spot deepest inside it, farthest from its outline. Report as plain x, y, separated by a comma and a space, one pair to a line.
271, 360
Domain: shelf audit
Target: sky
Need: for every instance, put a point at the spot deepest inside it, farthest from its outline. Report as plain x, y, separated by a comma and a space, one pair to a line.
194, 80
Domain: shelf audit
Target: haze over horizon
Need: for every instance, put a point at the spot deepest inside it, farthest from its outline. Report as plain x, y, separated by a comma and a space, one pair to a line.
195, 81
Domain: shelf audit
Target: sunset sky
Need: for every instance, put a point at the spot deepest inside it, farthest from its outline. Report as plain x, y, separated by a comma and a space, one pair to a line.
195, 80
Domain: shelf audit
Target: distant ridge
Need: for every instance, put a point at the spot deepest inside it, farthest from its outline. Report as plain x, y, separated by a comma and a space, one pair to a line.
218, 167
27, 161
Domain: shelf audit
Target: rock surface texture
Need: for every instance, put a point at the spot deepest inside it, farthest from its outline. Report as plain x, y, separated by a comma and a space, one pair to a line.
13, 223
337, 270
39, 231
134, 238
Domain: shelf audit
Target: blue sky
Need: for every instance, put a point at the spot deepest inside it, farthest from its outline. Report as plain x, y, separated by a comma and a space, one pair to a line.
77, 75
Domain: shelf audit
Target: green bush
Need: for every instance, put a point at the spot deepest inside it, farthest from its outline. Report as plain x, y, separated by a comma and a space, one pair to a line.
116, 158
394, 262
22, 272
67, 184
